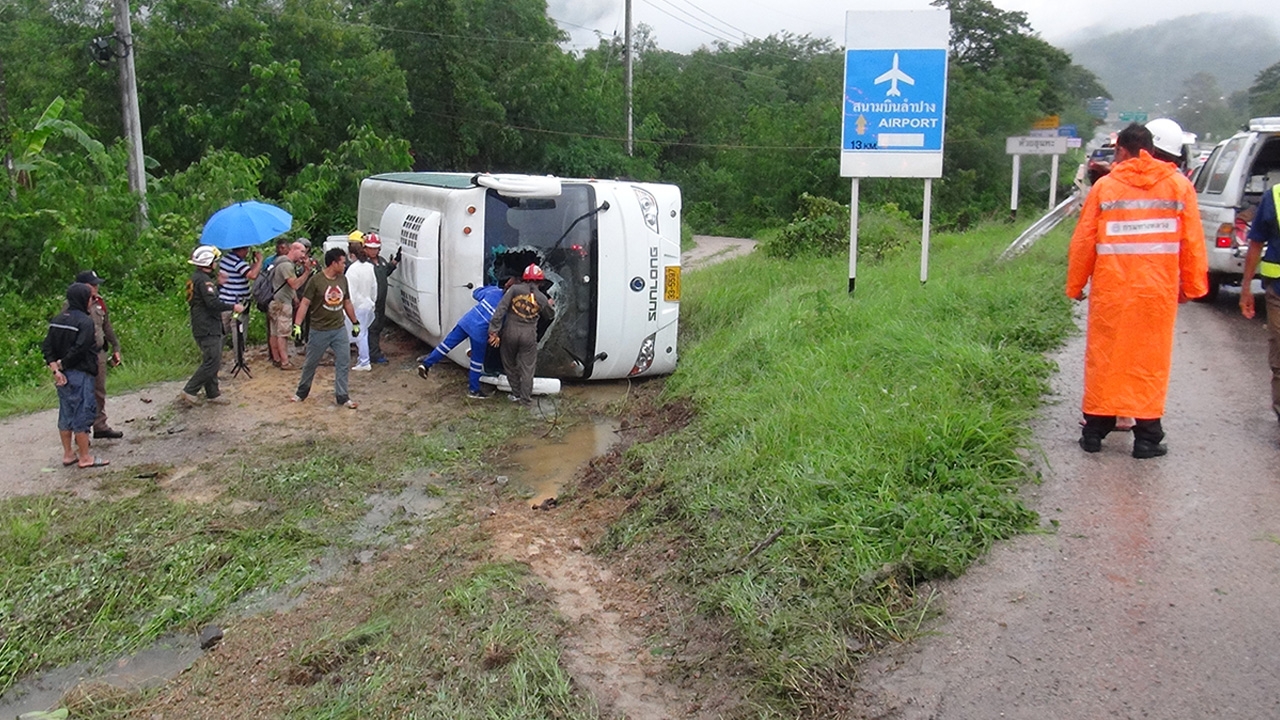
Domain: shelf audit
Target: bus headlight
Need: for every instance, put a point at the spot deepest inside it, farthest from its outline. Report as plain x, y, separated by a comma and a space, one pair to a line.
648, 208
645, 357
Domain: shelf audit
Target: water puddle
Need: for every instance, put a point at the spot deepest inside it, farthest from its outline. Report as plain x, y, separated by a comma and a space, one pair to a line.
545, 465
150, 668
412, 504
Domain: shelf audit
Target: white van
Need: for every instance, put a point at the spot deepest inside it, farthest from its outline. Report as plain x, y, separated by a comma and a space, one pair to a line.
610, 250
1229, 187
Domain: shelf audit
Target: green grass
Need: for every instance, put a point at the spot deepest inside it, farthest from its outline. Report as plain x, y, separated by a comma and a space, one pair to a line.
107, 576
882, 436
156, 345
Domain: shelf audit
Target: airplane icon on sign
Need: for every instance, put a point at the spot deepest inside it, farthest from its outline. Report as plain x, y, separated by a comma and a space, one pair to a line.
893, 77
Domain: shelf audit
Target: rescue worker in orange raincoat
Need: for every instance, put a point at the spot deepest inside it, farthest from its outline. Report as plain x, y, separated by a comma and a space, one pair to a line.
1140, 247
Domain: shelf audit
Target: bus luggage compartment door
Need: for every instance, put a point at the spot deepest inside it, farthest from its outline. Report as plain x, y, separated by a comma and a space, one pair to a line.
413, 296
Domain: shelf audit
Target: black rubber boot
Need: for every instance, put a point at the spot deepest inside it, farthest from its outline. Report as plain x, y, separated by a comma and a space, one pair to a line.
1090, 443
1147, 436
1143, 449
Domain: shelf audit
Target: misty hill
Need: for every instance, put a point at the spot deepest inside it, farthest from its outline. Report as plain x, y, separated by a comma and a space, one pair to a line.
1145, 66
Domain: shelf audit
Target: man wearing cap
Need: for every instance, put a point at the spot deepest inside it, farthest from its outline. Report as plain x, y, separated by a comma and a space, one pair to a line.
69, 353
382, 270
104, 336
206, 326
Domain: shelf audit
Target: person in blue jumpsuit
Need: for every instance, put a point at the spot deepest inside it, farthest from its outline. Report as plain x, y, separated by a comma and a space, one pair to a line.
1263, 257
475, 327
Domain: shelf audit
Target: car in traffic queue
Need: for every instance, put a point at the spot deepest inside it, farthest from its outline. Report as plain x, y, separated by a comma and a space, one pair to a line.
1229, 187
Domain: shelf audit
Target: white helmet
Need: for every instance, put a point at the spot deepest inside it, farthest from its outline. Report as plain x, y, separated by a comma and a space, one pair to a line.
1166, 135
204, 256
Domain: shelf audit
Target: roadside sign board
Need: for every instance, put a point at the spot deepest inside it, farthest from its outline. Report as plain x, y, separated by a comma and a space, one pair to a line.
1068, 131
1035, 145
895, 93
1137, 117
1049, 122
1074, 142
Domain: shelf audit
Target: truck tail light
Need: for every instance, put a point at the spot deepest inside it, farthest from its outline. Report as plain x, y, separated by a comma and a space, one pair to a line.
1226, 235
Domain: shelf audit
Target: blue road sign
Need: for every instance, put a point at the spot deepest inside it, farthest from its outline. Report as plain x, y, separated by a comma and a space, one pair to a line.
894, 100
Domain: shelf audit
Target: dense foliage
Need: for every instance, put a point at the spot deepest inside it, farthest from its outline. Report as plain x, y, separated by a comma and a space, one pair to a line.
296, 100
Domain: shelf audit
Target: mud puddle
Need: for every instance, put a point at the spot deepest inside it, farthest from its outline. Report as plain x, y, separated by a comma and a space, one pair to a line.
544, 465
152, 667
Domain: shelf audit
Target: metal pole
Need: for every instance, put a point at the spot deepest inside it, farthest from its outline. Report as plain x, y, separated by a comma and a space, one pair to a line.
924, 232
1053, 183
853, 235
630, 52
1013, 201
129, 109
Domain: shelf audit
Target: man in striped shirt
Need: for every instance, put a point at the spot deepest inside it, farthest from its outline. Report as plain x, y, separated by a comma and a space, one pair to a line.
235, 286
1140, 248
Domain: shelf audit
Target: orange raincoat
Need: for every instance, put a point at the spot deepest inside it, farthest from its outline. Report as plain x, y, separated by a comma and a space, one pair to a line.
1140, 241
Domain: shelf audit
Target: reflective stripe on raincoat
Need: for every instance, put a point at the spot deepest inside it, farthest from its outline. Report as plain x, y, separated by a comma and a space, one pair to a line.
1138, 241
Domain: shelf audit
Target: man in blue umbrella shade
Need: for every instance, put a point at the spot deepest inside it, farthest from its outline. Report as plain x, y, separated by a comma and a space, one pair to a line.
240, 275
206, 327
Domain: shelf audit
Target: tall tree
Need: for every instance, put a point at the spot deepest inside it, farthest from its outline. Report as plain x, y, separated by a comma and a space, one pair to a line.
1264, 94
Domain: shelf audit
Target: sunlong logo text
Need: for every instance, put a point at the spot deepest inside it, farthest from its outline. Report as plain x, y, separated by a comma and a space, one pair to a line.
653, 283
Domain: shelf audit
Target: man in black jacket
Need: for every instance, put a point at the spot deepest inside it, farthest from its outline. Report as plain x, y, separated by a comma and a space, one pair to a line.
69, 352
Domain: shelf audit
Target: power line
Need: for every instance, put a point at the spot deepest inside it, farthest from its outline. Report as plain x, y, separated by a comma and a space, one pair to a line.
739, 30
704, 30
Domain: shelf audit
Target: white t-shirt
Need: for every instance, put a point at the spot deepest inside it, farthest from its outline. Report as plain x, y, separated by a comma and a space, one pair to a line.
363, 284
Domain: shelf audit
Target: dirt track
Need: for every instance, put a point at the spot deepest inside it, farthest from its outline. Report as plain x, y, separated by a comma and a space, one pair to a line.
1154, 590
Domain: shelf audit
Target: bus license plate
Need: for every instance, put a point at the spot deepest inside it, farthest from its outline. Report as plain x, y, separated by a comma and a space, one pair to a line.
671, 289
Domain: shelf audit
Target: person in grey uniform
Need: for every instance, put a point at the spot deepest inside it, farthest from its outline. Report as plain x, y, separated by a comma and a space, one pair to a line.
206, 326
514, 331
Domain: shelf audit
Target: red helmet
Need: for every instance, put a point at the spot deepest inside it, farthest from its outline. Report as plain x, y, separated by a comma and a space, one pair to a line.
372, 240
533, 272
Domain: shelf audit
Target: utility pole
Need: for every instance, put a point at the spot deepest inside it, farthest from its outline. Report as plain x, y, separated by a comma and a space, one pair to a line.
129, 108
630, 54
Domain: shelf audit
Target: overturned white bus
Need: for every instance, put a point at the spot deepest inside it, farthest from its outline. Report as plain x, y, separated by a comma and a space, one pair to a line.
610, 250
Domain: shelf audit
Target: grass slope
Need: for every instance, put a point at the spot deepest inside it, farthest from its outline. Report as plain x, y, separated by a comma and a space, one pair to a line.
848, 447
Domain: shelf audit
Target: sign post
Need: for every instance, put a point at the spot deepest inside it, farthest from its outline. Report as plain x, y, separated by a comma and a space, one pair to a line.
1035, 145
894, 110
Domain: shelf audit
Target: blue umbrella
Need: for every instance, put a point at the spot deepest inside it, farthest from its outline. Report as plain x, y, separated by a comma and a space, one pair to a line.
244, 224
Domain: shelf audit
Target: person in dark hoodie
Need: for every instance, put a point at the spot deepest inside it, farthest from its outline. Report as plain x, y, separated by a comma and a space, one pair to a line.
70, 353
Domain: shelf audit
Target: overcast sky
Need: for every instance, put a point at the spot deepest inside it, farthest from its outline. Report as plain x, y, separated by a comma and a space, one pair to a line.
683, 25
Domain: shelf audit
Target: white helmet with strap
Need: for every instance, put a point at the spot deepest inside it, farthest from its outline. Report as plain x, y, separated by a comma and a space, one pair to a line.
204, 256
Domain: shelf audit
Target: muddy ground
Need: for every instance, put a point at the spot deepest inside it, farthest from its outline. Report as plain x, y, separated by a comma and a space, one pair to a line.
612, 618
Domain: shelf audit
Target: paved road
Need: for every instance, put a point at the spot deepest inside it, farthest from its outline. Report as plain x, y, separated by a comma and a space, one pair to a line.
1158, 594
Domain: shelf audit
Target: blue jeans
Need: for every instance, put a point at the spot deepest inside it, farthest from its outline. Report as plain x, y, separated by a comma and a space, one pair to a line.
76, 405
320, 341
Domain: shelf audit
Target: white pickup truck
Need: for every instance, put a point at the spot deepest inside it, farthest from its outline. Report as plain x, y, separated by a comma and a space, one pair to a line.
1229, 187
610, 250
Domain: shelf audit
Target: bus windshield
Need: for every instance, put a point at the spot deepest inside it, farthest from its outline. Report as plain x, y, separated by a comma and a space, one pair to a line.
561, 236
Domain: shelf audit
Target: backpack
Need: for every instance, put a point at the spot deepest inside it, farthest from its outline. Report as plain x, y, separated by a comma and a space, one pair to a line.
263, 289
